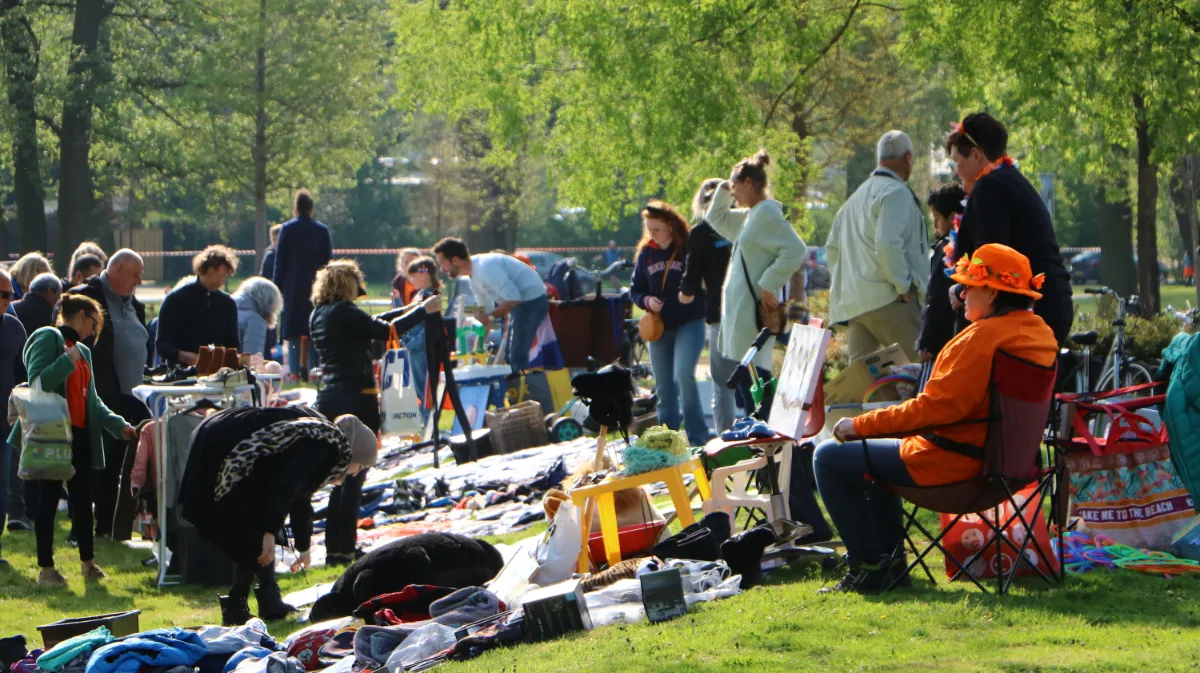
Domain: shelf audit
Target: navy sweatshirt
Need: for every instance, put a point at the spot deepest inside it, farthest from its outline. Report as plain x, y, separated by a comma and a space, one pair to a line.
648, 273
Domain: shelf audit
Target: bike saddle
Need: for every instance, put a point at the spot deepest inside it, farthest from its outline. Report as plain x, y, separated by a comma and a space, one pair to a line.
1085, 338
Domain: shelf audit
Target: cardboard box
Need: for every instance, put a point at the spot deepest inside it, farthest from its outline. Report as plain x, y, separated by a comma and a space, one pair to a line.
850, 386
555, 611
662, 595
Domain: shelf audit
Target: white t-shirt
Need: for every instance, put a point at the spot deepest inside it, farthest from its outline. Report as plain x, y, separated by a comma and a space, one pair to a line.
497, 277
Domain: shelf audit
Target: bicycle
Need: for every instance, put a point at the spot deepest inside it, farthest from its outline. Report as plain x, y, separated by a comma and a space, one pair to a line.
1120, 370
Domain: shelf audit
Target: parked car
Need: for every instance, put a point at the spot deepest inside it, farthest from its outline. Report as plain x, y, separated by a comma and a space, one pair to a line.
1085, 268
542, 261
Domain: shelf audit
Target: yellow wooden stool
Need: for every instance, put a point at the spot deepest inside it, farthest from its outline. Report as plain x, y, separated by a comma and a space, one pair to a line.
602, 493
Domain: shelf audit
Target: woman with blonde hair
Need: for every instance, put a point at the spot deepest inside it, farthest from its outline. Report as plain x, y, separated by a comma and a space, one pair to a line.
341, 335
88, 248
24, 270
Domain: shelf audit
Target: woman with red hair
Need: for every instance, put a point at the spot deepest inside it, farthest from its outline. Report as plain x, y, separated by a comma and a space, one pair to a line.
657, 276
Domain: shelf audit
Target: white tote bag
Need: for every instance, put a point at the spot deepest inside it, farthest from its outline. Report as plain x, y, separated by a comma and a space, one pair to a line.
398, 403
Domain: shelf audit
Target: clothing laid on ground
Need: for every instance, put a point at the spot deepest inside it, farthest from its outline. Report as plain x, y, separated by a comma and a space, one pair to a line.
958, 392
191, 316
1003, 207
304, 247
876, 248
158, 648
937, 317
250, 467
58, 657
768, 249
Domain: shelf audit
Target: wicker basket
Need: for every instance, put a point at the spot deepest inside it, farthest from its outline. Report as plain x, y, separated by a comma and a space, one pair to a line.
518, 427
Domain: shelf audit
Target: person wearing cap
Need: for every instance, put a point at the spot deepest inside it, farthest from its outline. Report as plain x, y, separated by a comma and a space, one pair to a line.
248, 469
1000, 294
342, 336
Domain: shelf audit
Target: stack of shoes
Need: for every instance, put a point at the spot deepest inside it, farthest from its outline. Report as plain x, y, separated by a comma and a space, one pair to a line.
700, 541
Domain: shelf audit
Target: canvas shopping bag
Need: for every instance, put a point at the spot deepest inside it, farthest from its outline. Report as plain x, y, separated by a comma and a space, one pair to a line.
971, 534
45, 434
399, 405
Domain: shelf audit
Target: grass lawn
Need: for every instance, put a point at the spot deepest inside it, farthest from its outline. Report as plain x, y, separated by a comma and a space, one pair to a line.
1102, 621
1171, 295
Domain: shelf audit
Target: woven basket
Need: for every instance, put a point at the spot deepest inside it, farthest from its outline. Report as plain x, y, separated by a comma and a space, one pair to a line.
518, 427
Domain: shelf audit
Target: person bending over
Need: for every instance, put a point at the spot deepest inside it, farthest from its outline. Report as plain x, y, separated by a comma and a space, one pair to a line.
1000, 294
248, 469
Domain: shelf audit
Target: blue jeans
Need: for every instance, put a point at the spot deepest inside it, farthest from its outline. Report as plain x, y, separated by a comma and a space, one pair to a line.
724, 403
523, 323
673, 358
867, 517
5, 464
414, 341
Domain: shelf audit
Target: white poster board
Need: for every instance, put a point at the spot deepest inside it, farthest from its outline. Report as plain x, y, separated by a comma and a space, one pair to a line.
797, 383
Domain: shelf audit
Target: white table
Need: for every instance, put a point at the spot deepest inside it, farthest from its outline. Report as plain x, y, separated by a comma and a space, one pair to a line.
166, 402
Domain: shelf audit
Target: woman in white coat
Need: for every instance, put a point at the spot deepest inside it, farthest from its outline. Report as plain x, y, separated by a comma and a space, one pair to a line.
766, 248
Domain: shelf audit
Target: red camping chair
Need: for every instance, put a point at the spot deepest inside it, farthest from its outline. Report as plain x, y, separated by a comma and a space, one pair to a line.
1021, 395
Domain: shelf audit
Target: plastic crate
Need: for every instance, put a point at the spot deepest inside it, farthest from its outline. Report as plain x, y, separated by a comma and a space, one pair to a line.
120, 624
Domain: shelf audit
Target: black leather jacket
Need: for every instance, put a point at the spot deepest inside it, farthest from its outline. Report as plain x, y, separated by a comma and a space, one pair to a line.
342, 334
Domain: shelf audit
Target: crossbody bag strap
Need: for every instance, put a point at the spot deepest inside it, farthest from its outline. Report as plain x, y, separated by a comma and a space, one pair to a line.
667, 271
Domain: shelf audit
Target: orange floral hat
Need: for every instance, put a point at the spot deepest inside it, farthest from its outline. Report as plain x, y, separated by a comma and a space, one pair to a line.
1000, 268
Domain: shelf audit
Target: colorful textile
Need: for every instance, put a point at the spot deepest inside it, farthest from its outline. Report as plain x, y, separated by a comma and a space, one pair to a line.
161, 647
57, 657
410, 604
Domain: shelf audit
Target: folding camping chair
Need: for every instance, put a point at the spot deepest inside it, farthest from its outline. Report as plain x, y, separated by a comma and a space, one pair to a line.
1021, 395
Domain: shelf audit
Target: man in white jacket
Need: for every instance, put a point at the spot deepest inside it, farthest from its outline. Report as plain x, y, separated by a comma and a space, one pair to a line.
878, 252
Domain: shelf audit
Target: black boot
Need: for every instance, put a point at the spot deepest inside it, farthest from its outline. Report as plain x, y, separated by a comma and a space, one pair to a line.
270, 602
744, 552
234, 612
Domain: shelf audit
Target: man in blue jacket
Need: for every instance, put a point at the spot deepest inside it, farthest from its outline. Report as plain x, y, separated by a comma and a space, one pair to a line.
304, 247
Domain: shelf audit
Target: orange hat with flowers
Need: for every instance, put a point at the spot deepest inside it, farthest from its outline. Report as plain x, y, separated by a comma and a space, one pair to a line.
1000, 268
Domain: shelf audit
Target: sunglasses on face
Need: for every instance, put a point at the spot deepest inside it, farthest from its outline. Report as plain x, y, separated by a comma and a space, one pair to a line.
6, 294
421, 270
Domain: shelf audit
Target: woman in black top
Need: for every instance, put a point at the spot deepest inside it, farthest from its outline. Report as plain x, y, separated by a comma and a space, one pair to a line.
342, 333
704, 272
248, 470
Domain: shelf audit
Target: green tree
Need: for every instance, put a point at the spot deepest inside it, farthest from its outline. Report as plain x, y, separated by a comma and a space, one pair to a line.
281, 94
627, 100
1105, 83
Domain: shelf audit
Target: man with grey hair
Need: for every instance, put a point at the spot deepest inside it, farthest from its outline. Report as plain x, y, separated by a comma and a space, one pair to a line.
878, 253
35, 310
118, 359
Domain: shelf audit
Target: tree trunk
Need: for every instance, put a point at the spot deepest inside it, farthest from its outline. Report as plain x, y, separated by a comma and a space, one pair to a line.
860, 166
1147, 202
1183, 197
798, 214
1116, 236
22, 67
260, 144
75, 198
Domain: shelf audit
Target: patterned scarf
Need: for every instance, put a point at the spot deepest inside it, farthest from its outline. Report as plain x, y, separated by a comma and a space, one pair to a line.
273, 439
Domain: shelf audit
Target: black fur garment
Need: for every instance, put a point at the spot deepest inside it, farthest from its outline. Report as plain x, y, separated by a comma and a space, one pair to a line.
436, 559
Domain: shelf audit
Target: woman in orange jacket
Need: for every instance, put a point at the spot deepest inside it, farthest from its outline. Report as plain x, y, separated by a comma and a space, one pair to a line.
944, 440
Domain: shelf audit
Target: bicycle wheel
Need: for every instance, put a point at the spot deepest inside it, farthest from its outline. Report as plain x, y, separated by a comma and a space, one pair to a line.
1132, 374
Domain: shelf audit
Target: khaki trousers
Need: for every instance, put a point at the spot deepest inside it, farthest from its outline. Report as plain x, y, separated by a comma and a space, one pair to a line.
896, 323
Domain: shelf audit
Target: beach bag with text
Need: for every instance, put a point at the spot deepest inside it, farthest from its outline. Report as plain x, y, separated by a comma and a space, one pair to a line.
45, 434
399, 405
